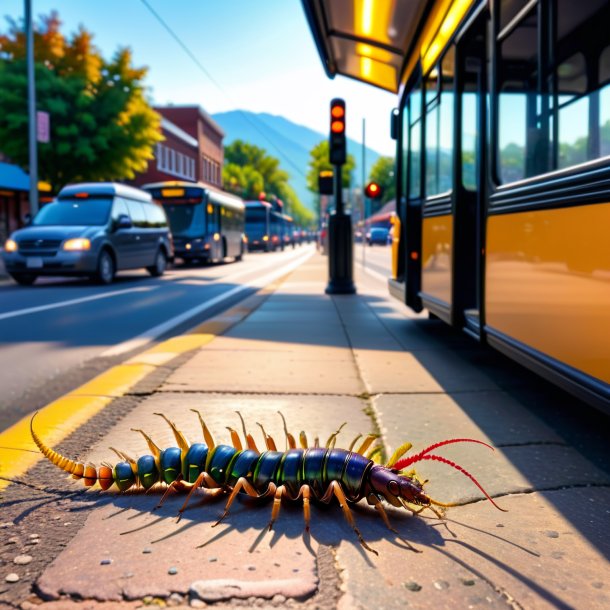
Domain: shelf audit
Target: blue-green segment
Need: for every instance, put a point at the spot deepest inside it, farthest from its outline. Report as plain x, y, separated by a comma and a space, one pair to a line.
290, 473
219, 461
170, 463
353, 477
266, 470
313, 470
194, 461
334, 466
148, 473
123, 476
242, 465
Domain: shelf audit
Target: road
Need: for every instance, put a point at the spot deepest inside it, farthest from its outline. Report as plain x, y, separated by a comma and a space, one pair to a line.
60, 332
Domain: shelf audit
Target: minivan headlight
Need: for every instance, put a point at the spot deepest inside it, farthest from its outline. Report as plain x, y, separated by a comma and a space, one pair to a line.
79, 243
10, 246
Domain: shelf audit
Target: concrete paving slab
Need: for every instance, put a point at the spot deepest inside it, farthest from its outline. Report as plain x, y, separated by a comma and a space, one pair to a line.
128, 551
291, 371
535, 557
421, 371
499, 417
316, 332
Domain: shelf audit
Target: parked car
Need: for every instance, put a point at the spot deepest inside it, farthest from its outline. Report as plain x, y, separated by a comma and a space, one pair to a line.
379, 235
91, 229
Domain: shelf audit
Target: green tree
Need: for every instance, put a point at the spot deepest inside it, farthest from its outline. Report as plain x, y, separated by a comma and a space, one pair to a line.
102, 126
250, 170
319, 161
384, 174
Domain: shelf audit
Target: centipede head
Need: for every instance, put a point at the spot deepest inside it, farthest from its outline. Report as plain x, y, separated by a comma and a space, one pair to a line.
396, 487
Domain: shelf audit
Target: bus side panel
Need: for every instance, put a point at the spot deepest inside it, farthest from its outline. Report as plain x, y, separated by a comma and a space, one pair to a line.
548, 283
437, 248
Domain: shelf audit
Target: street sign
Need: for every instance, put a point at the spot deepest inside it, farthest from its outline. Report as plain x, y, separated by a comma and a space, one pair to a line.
43, 127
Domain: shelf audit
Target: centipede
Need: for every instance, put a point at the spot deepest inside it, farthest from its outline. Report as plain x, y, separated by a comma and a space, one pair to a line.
302, 472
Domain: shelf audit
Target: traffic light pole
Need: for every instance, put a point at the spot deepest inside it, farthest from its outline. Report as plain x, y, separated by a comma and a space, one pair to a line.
340, 245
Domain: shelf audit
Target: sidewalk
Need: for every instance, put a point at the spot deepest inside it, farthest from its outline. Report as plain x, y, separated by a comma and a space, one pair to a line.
367, 361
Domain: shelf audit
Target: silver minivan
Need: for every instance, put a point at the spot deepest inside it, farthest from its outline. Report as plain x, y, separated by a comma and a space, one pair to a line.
91, 229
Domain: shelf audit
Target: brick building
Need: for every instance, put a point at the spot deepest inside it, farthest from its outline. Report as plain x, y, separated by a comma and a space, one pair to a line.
192, 149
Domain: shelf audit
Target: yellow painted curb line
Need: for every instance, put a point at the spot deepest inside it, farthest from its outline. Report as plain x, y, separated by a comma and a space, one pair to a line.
60, 418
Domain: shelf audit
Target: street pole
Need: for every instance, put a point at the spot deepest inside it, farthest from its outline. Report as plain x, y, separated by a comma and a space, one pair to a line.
29, 32
363, 232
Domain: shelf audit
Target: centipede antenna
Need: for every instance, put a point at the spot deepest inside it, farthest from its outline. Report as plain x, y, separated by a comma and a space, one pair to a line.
251, 444
151, 444
207, 436
290, 441
332, 439
122, 455
375, 454
303, 440
353, 443
398, 454
235, 439
180, 438
269, 442
243, 425
438, 458
401, 464
367, 443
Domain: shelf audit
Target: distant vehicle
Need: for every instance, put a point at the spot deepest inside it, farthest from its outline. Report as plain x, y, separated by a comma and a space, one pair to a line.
207, 224
258, 226
91, 229
379, 235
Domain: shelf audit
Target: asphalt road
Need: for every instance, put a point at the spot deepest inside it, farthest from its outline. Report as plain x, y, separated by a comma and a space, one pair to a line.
60, 332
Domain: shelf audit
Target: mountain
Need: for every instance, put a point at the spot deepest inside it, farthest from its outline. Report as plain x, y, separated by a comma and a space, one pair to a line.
287, 141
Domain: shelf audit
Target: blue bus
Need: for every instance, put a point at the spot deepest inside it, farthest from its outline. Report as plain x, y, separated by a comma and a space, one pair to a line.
207, 224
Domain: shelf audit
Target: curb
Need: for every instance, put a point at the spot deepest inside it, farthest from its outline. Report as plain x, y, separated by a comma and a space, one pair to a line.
60, 418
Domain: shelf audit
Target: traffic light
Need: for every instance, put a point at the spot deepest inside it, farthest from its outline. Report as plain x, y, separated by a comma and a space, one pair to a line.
373, 190
325, 182
337, 132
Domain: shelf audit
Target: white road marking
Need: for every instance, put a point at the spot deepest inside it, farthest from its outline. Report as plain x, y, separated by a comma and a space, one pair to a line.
152, 333
95, 297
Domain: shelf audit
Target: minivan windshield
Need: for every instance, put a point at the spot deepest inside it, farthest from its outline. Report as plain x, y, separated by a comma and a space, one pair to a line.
74, 212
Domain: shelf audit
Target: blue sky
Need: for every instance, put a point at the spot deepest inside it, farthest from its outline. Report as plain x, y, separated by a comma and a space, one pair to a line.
261, 54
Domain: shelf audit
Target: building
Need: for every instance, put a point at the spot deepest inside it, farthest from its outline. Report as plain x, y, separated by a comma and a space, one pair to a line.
14, 199
192, 149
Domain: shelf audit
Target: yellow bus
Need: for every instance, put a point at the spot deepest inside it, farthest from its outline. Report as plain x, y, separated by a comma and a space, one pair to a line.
503, 167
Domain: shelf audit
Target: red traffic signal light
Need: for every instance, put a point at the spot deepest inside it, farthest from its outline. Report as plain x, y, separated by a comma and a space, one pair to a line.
373, 190
337, 152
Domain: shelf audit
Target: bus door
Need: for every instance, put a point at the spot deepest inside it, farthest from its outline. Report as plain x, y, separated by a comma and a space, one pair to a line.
469, 178
213, 229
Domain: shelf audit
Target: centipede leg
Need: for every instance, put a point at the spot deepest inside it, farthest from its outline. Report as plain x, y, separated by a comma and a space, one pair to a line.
176, 484
277, 501
305, 492
376, 502
242, 483
203, 477
334, 489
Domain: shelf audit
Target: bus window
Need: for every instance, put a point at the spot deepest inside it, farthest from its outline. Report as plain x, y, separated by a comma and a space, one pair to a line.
604, 103
439, 126
573, 105
415, 101
519, 130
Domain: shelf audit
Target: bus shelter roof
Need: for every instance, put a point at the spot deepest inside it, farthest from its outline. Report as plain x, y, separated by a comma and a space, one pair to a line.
368, 40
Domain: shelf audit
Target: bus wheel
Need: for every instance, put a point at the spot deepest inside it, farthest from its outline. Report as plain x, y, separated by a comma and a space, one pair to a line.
240, 256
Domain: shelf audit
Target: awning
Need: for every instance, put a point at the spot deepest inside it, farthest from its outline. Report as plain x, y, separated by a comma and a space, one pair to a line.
365, 39
13, 178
